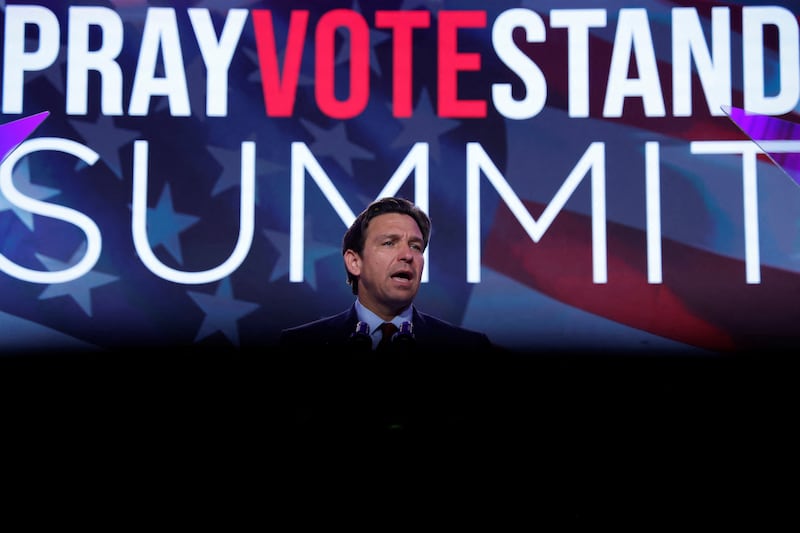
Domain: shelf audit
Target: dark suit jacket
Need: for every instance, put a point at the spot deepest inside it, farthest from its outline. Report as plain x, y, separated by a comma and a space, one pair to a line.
338, 383
333, 334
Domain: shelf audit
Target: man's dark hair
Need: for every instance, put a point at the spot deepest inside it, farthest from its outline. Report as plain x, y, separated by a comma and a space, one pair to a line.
356, 233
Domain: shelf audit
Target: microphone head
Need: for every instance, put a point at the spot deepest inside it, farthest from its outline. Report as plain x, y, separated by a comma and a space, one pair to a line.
405, 335
360, 337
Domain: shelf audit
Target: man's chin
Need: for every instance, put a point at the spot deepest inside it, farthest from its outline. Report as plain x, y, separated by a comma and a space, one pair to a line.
403, 301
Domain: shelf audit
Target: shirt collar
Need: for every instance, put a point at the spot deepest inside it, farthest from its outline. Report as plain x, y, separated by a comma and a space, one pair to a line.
374, 321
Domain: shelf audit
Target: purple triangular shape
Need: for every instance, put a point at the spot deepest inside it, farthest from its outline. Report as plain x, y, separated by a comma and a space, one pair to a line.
764, 128
13, 133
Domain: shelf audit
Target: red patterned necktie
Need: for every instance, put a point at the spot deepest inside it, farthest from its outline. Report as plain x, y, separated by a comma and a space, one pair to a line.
387, 329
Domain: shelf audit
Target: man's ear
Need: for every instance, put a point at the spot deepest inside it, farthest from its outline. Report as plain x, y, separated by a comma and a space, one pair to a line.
352, 262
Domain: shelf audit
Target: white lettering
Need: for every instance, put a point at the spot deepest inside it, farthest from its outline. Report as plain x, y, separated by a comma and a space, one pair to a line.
80, 60
246, 221
715, 74
160, 34
755, 98
578, 22
16, 61
521, 64
593, 160
94, 241
633, 37
217, 55
652, 178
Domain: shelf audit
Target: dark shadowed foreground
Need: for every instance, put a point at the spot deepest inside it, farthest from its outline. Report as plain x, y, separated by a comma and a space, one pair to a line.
571, 422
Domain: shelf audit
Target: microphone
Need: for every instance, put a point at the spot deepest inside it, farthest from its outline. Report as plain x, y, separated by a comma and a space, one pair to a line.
360, 339
405, 336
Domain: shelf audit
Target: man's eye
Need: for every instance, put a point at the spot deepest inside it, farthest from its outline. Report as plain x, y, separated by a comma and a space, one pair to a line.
417, 247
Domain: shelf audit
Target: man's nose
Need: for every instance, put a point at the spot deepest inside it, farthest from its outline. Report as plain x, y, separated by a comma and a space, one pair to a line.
406, 252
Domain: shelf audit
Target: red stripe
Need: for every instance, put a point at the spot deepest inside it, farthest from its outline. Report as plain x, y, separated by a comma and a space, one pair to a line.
703, 301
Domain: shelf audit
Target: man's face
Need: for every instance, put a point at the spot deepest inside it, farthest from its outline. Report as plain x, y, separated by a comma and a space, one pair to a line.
390, 267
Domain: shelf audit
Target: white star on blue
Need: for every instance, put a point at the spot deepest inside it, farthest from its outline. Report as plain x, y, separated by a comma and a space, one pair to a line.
313, 251
79, 289
105, 139
424, 126
164, 225
334, 143
222, 312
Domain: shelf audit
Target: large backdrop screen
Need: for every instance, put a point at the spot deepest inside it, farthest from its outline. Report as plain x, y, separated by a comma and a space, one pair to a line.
191, 168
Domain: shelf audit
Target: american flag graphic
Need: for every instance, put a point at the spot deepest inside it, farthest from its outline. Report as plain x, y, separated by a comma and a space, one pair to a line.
531, 295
